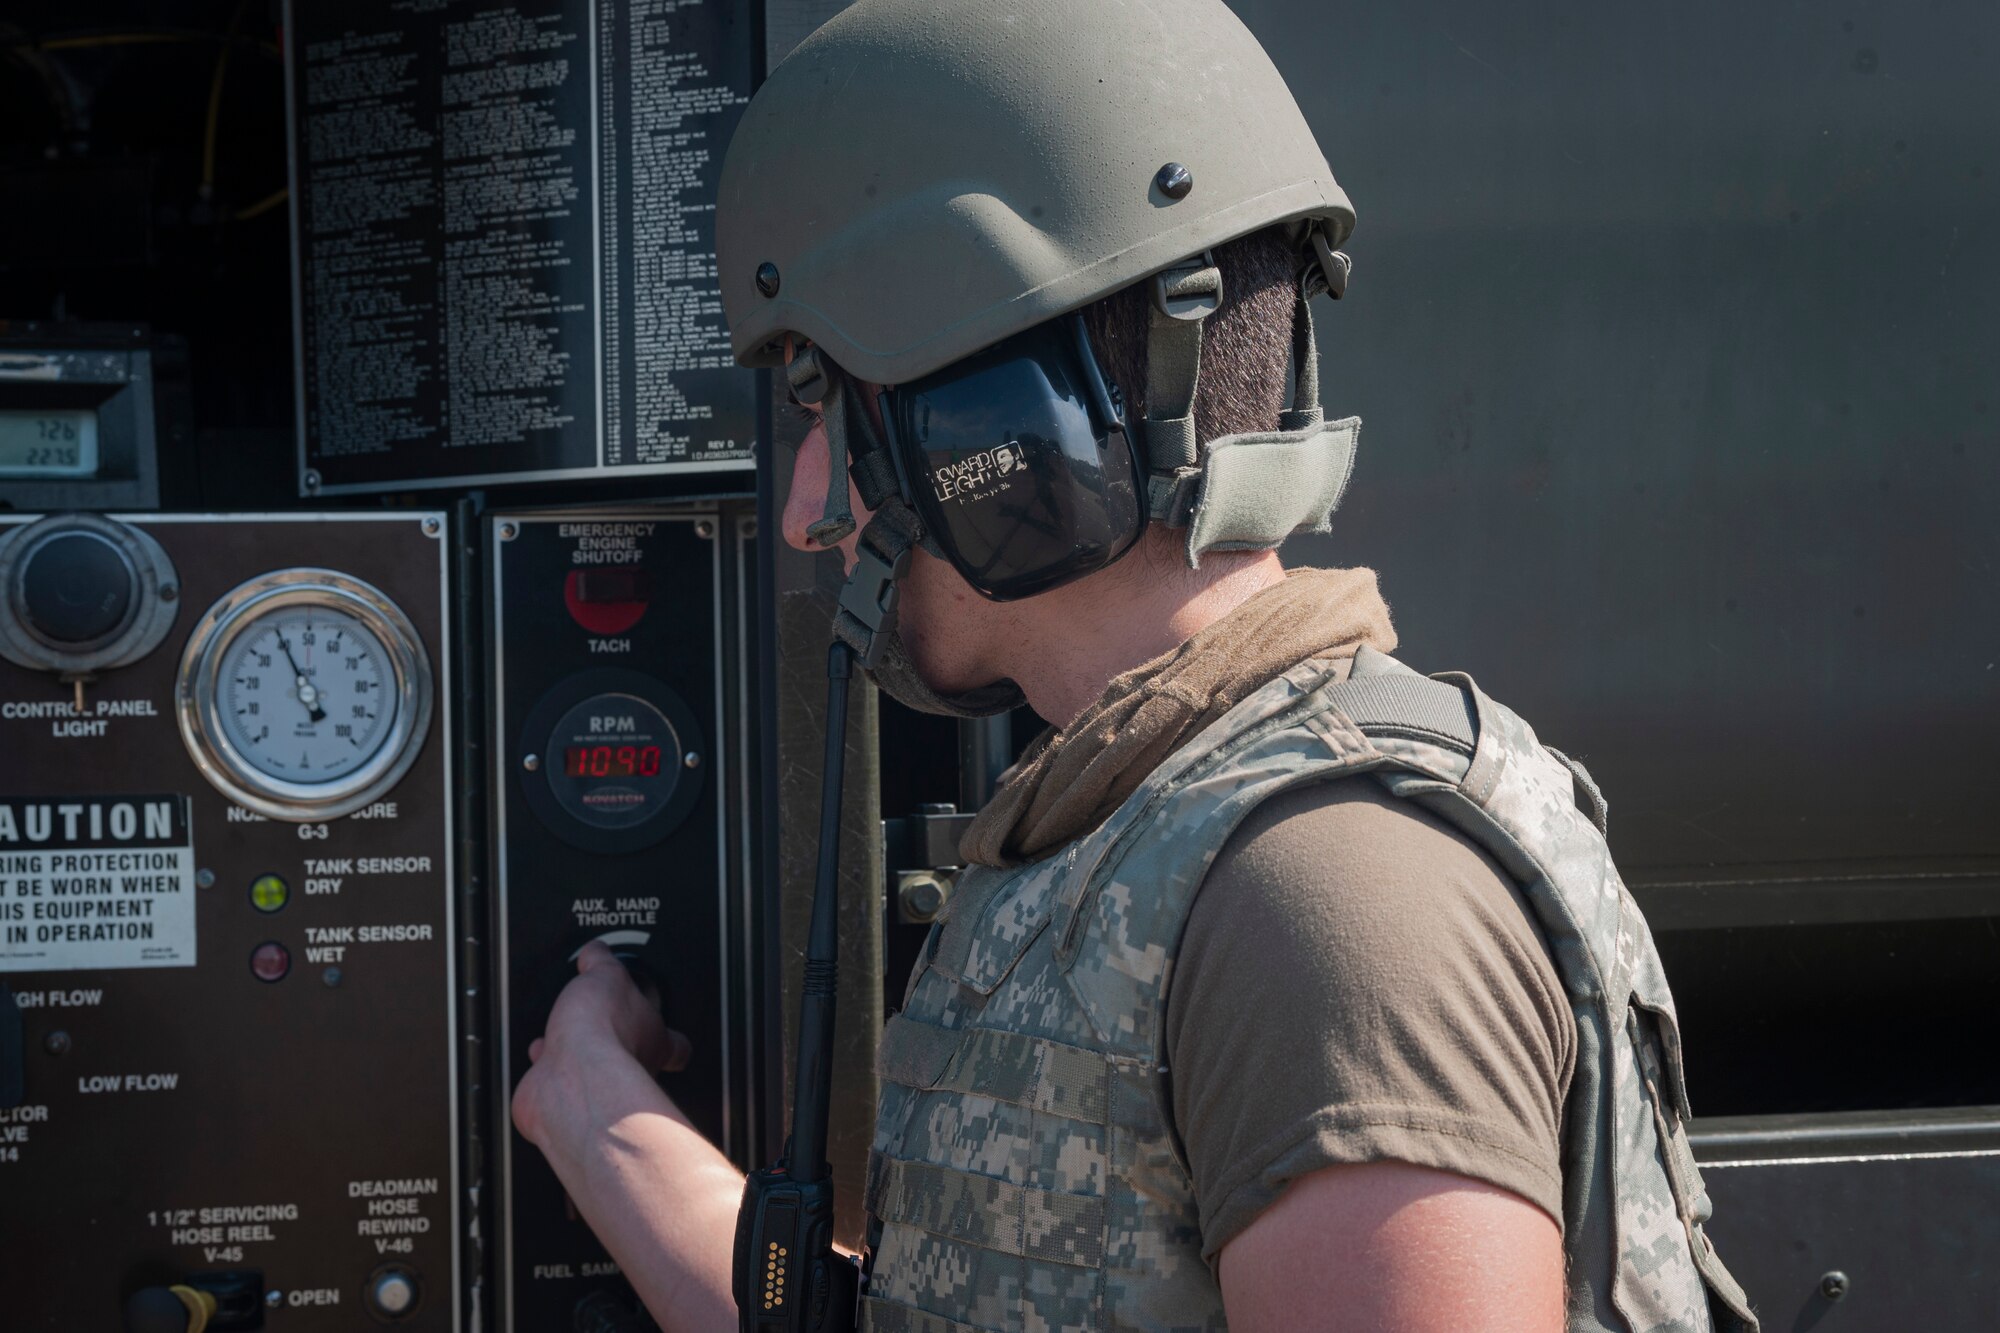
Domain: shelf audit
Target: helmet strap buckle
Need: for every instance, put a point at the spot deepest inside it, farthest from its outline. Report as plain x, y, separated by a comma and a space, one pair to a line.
1334, 266
868, 600
1189, 290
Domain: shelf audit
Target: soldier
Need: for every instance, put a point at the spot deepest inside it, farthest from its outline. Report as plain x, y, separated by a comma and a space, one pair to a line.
1288, 988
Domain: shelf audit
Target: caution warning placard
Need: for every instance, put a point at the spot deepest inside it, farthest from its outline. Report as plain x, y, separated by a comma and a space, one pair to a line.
91, 882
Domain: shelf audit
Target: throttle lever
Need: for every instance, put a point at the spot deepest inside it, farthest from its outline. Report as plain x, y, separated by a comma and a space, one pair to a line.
643, 977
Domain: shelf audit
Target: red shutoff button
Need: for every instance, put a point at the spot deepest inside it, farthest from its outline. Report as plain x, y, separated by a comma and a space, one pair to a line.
608, 601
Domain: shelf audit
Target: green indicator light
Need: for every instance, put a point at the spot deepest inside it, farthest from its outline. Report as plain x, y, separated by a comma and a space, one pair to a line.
270, 892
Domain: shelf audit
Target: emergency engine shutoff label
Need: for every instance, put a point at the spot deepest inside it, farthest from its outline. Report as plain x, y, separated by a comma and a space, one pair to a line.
92, 882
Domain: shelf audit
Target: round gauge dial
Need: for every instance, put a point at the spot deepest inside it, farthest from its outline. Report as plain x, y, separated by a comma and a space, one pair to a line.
308, 694
304, 694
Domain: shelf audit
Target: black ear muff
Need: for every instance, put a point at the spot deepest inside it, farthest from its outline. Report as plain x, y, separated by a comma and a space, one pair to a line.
1019, 462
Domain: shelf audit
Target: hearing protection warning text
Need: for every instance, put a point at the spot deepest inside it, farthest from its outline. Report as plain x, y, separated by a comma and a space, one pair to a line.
92, 882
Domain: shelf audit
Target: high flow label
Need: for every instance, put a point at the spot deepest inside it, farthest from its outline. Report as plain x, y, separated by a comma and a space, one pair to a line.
95, 882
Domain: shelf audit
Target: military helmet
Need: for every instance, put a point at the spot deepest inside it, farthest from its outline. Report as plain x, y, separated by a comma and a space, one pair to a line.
919, 180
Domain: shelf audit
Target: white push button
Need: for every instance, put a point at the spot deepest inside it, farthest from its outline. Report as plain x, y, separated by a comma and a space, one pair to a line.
394, 1293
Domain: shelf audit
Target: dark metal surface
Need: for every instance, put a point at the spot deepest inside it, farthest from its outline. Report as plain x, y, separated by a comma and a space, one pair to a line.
1673, 332
1846, 1134
1863, 1244
927, 840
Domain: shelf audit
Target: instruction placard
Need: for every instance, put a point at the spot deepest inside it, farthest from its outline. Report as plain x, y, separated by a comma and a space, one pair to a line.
90, 882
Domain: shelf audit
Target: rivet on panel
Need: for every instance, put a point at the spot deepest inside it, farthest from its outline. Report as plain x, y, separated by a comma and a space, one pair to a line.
1174, 180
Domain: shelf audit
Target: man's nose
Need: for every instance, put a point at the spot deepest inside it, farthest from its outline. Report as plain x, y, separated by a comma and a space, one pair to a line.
807, 499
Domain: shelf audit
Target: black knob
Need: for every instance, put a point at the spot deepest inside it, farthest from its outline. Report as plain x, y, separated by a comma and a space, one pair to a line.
156, 1310
643, 977
606, 1312
77, 588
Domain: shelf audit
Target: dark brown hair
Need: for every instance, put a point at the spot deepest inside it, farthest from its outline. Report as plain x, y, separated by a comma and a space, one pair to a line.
1246, 345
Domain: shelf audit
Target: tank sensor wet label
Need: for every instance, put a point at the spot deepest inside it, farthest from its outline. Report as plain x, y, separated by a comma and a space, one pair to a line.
94, 882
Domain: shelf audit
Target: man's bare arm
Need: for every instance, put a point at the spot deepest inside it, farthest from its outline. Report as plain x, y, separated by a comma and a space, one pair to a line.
659, 1196
1387, 1247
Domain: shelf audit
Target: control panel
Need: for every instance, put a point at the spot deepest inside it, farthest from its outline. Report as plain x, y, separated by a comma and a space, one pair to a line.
227, 1037
617, 655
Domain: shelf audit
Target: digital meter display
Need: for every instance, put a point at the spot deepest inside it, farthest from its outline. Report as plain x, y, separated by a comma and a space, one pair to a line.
613, 761
54, 442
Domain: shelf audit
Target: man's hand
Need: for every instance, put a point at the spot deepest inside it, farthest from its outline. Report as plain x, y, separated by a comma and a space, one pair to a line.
658, 1195
1393, 1248
600, 1016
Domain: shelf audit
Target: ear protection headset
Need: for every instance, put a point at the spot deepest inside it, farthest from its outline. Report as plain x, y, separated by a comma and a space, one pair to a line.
1017, 465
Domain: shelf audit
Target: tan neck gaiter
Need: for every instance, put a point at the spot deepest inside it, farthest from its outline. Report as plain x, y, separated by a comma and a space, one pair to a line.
1070, 781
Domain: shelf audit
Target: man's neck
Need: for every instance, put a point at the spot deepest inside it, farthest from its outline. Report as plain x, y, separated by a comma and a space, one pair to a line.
1074, 641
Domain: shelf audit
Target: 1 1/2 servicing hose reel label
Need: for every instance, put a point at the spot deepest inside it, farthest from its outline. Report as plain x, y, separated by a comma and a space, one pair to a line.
92, 882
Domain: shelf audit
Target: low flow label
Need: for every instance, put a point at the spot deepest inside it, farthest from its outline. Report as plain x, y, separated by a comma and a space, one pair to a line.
95, 882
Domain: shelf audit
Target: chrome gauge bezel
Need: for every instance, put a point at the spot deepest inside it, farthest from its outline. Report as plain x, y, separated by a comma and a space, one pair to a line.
198, 686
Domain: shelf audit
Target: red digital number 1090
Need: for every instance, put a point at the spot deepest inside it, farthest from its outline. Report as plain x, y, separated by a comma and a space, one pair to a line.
606, 761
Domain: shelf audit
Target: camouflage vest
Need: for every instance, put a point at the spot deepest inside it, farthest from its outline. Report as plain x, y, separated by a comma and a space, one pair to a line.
1026, 1171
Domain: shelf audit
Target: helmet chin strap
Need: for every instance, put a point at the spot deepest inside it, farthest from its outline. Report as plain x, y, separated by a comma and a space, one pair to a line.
865, 619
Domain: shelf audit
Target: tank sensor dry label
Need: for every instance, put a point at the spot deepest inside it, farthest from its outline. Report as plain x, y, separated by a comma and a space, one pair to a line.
89, 882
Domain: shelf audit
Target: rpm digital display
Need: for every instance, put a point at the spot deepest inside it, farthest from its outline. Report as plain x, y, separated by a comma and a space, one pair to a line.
613, 761
52, 442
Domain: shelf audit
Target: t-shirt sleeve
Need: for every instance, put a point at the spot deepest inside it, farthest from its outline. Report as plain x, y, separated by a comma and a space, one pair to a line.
1359, 982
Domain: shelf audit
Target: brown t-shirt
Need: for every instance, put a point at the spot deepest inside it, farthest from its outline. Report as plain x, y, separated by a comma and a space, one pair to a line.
1360, 982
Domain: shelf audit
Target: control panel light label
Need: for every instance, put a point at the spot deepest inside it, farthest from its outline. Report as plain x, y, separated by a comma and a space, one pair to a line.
95, 882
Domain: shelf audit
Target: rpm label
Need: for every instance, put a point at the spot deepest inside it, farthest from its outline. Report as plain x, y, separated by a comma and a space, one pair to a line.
94, 882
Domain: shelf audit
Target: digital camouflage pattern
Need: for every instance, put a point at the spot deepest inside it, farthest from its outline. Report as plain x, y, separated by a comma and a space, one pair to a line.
1026, 1172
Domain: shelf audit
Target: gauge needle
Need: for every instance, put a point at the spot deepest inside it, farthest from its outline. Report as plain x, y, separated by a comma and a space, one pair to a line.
307, 694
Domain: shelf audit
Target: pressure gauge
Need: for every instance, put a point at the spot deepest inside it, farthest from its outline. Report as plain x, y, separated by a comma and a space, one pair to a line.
304, 694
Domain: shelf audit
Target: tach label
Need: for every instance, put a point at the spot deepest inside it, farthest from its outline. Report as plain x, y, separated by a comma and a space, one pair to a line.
90, 882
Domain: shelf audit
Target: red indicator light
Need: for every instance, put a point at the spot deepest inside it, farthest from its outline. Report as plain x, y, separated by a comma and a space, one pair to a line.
270, 961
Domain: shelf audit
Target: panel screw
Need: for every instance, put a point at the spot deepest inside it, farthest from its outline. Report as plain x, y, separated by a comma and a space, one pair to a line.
767, 278
170, 592
508, 532
56, 1043
1174, 180
431, 526
311, 479
704, 529
274, 1299
692, 760
1833, 1286
531, 762
204, 879
331, 976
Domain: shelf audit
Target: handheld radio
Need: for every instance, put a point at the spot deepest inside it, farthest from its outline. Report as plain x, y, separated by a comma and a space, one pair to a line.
788, 1276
